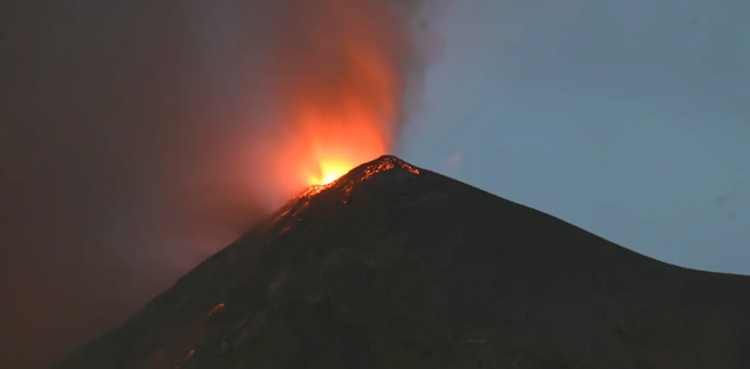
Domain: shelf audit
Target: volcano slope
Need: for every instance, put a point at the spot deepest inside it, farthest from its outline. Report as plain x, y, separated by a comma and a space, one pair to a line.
393, 267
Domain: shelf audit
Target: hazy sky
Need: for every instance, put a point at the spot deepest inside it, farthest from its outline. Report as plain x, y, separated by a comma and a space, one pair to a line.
630, 119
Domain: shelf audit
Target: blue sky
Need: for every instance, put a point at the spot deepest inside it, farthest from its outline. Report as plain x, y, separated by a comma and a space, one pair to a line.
629, 119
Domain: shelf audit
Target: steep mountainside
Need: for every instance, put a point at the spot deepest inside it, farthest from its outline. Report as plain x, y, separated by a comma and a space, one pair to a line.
393, 267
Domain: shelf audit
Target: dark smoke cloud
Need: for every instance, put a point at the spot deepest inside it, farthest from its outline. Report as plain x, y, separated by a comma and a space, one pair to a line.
129, 142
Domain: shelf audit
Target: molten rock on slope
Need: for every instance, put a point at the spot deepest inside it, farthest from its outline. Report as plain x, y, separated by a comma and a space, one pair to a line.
397, 267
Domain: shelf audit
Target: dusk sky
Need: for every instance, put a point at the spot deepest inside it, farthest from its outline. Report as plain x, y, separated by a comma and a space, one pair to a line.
134, 135
630, 119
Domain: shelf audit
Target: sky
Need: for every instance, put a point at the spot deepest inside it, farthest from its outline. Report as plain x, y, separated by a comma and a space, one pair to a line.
134, 128
630, 119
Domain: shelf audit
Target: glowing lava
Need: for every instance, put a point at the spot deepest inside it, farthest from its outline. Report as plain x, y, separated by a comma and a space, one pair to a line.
330, 171
328, 143
341, 86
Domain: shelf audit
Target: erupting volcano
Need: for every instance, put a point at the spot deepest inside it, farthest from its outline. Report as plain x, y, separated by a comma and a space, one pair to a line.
392, 266
343, 71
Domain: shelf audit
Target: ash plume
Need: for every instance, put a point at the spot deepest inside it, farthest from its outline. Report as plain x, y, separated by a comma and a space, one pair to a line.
138, 137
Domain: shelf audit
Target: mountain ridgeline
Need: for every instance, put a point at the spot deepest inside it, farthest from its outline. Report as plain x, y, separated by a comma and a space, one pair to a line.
393, 266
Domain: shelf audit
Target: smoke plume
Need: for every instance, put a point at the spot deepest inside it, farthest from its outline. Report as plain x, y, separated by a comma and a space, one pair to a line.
139, 137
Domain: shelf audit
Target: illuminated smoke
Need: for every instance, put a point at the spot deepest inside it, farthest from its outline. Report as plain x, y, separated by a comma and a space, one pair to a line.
340, 76
142, 136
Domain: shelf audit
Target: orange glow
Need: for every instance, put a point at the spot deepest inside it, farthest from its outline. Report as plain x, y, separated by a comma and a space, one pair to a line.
216, 308
330, 171
328, 141
341, 85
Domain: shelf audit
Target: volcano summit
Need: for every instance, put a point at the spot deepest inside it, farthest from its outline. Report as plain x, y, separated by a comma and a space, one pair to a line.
393, 266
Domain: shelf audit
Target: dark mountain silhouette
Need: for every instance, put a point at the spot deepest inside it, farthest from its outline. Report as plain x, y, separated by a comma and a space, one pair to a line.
393, 267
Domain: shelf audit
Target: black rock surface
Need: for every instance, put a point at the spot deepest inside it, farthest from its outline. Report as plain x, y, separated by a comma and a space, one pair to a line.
394, 267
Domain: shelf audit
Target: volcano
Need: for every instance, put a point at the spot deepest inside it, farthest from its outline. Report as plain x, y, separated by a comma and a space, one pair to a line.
392, 266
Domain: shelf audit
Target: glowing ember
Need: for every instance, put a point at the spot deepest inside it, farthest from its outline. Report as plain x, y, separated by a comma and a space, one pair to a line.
216, 308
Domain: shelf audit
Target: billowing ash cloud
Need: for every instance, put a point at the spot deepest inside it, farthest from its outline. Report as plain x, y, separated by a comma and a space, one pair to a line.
138, 137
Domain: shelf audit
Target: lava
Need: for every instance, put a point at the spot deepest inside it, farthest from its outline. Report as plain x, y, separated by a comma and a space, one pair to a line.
330, 171
384, 164
341, 80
